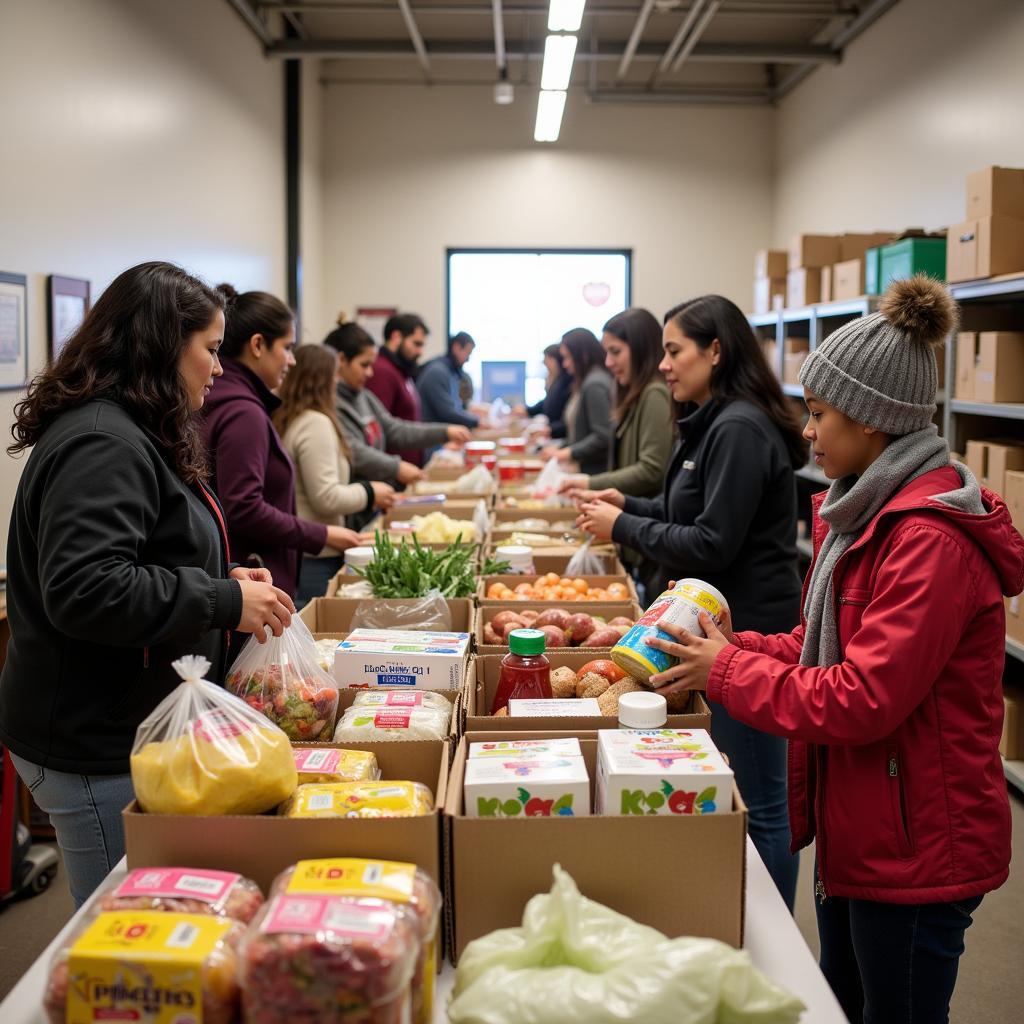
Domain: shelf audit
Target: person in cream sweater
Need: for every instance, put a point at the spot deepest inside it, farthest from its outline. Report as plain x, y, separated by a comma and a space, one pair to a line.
309, 428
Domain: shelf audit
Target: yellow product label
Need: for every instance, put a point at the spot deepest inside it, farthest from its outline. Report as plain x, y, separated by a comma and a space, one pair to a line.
348, 876
359, 800
707, 601
134, 965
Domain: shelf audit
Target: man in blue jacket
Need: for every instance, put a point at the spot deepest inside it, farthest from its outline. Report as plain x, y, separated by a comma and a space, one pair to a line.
439, 384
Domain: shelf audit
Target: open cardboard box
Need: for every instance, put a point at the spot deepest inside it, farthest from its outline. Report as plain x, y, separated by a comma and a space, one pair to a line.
505, 517
684, 875
544, 561
460, 513
330, 615
605, 609
482, 685
260, 846
512, 581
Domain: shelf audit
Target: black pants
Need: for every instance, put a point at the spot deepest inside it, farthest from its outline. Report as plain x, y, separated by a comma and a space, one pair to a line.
891, 962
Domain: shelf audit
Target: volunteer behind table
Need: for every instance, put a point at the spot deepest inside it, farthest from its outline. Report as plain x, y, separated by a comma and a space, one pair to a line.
252, 472
308, 423
558, 391
117, 561
890, 689
588, 412
440, 383
727, 515
368, 427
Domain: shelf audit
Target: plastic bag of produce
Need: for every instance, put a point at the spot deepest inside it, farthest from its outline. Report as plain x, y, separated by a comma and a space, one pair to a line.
403, 885
183, 891
204, 751
118, 962
481, 519
574, 961
437, 528
428, 612
329, 764
326, 958
360, 800
549, 481
584, 562
477, 481
383, 724
282, 679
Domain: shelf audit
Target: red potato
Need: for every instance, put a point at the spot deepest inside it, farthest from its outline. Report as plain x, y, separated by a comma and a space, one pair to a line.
554, 637
491, 635
606, 636
581, 626
529, 615
508, 627
621, 620
499, 620
553, 617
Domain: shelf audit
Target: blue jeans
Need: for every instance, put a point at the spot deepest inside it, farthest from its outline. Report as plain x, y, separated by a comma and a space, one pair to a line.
85, 811
314, 575
892, 963
759, 763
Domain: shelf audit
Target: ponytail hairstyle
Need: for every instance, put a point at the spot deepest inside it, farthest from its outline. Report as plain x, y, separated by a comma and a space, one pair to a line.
127, 349
586, 352
252, 313
349, 339
743, 371
641, 333
310, 385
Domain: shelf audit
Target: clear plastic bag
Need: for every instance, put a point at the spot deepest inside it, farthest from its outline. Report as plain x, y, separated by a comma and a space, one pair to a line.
549, 482
477, 481
327, 958
182, 891
359, 800
584, 562
430, 612
481, 519
574, 961
282, 679
387, 724
203, 751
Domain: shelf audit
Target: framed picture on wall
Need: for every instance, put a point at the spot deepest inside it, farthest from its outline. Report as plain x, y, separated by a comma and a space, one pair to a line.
373, 318
69, 302
13, 331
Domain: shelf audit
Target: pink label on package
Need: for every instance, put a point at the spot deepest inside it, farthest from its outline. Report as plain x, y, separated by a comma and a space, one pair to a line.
183, 883
307, 915
215, 725
392, 719
403, 700
307, 760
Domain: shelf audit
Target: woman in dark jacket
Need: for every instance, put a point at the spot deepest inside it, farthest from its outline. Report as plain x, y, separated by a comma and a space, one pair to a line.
727, 515
117, 561
252, 472
588, 414
557, 395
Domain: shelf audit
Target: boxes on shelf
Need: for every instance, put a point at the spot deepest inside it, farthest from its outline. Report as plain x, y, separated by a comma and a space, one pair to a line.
794, 352
995, 191
1011, 743
990, 366
769, 348
520, 853
803, 287
769, 294
1013, 495
989, 461
985, 247
827, 276
848, 280
1015, 617
813, 251
771, 263
872, 270
260, 846
853, 246
908, 257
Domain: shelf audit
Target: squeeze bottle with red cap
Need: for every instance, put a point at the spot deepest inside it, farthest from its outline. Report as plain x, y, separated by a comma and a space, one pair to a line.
525, 671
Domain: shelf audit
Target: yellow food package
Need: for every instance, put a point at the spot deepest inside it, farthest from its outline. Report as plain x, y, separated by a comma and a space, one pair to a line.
330, 764
203, 751
360, 800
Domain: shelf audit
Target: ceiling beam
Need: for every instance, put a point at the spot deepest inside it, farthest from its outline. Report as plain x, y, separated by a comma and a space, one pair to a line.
679, 38
694, 38
499, 35
735, 8
248, 14
634, 39
683, 97
414, 34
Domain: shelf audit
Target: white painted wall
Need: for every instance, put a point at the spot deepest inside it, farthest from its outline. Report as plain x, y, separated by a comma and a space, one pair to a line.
933, 90
134, 130
311, 201
409, 171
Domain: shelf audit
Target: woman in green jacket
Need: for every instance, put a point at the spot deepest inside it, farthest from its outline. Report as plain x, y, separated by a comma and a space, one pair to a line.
644, 427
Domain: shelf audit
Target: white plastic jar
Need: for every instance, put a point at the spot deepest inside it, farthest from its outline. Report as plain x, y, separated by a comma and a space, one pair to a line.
519, 558
642, 711
358, 558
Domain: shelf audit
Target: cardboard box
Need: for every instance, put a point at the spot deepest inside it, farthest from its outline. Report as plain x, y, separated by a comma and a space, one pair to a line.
496, 865
1013, 495
595, 582
1011, 743
803, 287
607, 610
427, 660
545, 562
795, 351
482, 686
813, 251
511, 786
1015, 617
260, 846
853, 246
999, 367
995, 191
826, 284
989, 461
331, 615
771, 263
848, 280
766, 291
553, 518
984, 247
966, 354
770, 349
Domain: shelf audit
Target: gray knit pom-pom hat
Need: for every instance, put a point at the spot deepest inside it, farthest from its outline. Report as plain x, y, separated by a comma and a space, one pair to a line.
880, 369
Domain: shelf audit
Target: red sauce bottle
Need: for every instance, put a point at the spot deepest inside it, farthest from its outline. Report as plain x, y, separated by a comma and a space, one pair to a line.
525, 671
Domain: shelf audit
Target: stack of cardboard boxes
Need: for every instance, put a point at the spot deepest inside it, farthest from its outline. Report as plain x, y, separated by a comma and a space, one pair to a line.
769, 280
990, 366
990, 242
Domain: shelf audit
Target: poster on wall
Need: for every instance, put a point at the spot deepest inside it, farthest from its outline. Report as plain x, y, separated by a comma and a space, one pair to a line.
69, 302
13, 331
373, 318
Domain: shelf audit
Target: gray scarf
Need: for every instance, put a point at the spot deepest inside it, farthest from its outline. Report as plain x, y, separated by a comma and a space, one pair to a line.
851, 504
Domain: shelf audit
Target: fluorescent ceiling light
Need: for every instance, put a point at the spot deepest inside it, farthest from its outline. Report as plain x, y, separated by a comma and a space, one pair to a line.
565, 15
559, 52
549, 116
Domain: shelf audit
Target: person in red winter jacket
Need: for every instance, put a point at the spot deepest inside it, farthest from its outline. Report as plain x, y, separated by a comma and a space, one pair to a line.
890, 689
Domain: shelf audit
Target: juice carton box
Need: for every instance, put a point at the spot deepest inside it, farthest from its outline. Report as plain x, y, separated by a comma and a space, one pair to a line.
524, 749
530, 787
369, 658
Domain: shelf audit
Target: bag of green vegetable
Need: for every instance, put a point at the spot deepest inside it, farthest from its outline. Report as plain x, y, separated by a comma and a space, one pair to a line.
574, 961
428, 612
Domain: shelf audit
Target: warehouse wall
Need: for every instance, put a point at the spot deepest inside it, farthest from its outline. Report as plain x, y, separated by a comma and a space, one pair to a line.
311, 201
404, 177
884, 140
134, 130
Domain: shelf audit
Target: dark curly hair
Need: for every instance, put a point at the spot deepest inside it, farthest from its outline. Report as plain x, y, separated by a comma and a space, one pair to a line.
127, 349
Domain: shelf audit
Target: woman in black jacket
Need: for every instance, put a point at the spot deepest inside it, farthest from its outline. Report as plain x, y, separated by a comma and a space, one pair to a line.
727, 515
556, 397
117, 557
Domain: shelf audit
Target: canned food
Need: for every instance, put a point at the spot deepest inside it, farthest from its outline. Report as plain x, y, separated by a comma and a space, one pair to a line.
476, 450
511, 470
681, 605
513, 444
489, 462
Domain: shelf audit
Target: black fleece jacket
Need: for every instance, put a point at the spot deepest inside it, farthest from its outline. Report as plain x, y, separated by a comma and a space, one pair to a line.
727, 515
115, 569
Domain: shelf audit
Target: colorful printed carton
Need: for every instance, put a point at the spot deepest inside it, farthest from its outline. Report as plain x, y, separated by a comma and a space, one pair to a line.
522, 749
526, 787
425, 660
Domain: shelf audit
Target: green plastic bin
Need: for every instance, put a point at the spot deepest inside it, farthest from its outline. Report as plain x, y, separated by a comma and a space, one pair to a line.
872, 270
909, 257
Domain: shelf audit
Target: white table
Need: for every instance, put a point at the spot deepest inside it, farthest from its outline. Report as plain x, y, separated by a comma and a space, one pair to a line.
772, 939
